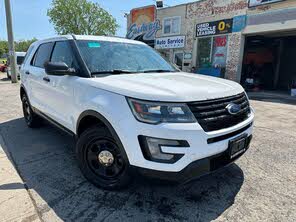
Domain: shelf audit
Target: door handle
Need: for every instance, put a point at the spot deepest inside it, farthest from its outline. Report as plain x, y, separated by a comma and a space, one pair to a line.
46, 79
27, 72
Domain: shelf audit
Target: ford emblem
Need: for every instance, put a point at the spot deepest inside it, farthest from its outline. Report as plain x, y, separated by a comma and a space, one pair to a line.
233, 108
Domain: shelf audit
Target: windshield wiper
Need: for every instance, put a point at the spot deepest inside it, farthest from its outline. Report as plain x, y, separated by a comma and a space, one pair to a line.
114, 71
157, 70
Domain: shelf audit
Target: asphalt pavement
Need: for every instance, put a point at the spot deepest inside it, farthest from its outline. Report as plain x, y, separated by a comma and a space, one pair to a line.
261, 186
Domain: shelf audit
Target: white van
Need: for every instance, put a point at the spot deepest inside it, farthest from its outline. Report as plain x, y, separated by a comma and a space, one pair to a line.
19, 60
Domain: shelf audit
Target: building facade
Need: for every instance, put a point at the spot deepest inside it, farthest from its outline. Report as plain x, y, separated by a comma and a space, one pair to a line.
229, 38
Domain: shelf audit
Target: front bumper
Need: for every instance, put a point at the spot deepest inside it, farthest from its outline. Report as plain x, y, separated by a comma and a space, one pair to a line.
202, 144
196, 169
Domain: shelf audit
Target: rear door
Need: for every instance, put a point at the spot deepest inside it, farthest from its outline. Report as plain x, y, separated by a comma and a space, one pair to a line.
38, 77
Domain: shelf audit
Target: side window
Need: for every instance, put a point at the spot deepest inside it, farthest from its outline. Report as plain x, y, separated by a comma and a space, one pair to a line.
62, 52
43, 54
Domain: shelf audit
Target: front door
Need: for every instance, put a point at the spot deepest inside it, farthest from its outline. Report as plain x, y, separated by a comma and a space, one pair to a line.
60, 88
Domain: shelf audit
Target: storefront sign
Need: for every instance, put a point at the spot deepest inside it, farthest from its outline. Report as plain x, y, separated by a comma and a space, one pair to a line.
219, 51
239, 23
144, 26
214, 28
254, 3
170, 42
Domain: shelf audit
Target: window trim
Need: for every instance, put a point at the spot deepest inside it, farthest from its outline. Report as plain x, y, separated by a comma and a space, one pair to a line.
28, 54
171, 23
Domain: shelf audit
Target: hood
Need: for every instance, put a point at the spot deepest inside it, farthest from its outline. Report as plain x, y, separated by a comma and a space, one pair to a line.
167, 87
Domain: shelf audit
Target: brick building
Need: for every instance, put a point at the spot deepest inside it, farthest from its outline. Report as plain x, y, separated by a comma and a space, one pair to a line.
225, 38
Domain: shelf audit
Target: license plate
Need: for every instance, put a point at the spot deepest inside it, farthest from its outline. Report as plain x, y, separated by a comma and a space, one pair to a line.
238, 146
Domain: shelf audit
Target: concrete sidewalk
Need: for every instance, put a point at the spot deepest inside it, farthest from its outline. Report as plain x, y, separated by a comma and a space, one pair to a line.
15, 201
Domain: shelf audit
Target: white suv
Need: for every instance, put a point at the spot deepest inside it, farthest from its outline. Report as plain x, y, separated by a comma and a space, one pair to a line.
130, 109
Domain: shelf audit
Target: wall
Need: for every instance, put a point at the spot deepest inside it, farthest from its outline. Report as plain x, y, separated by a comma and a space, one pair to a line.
172, 12
163, 13
274, 6
268, 18
287, 67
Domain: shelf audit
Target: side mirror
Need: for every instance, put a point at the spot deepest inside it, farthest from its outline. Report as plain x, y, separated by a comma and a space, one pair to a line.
58, 69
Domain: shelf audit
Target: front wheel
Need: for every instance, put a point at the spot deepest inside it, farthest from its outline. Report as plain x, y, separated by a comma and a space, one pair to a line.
101, 160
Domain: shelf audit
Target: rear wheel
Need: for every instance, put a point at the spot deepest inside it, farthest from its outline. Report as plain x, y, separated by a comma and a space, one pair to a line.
101, 159
31, 118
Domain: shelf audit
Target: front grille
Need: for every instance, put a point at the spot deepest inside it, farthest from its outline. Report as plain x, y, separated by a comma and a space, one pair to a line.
212, 114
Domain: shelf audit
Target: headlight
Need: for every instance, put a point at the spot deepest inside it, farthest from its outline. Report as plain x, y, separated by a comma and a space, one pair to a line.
156, 112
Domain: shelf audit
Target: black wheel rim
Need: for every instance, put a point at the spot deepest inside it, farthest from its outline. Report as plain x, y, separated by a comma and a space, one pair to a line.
94, 148
27, 110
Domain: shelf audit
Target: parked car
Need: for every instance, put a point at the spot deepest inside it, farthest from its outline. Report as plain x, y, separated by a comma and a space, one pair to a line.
131, 111
19, 60
3, 67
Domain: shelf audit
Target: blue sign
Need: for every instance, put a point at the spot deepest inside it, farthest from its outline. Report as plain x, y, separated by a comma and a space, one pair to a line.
170, 42
239, 23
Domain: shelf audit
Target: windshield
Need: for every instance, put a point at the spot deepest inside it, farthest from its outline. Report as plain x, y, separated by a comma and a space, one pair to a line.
117, 57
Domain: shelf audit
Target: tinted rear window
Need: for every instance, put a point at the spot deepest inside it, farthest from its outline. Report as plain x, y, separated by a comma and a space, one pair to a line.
43, 54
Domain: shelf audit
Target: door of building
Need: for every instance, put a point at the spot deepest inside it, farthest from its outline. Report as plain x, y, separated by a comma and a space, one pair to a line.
179, 59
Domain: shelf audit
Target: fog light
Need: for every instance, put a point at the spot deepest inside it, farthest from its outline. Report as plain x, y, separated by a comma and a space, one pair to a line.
154, 146
151, 148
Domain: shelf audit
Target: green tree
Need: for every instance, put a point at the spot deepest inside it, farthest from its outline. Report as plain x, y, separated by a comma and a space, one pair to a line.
81, 17
20, 46
3, 48
23, 45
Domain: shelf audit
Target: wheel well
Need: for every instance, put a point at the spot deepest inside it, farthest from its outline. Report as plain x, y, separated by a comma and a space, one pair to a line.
87, 122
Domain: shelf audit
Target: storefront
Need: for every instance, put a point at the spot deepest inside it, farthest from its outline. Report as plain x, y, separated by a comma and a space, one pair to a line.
212, 47
252, 42
214, 37
269, 51
175, 43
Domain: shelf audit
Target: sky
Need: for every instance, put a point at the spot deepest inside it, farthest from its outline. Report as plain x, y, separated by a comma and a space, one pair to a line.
30, 19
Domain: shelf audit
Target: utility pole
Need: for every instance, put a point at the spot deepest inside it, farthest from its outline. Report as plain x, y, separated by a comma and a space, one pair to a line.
11, 53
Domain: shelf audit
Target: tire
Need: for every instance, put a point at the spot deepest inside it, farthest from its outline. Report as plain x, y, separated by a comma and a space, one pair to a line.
32, 120
8, 76
97, 141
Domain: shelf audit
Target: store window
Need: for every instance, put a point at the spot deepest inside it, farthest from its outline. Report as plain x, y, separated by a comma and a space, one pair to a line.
179, 59
212, 52
204, 52
171, 25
